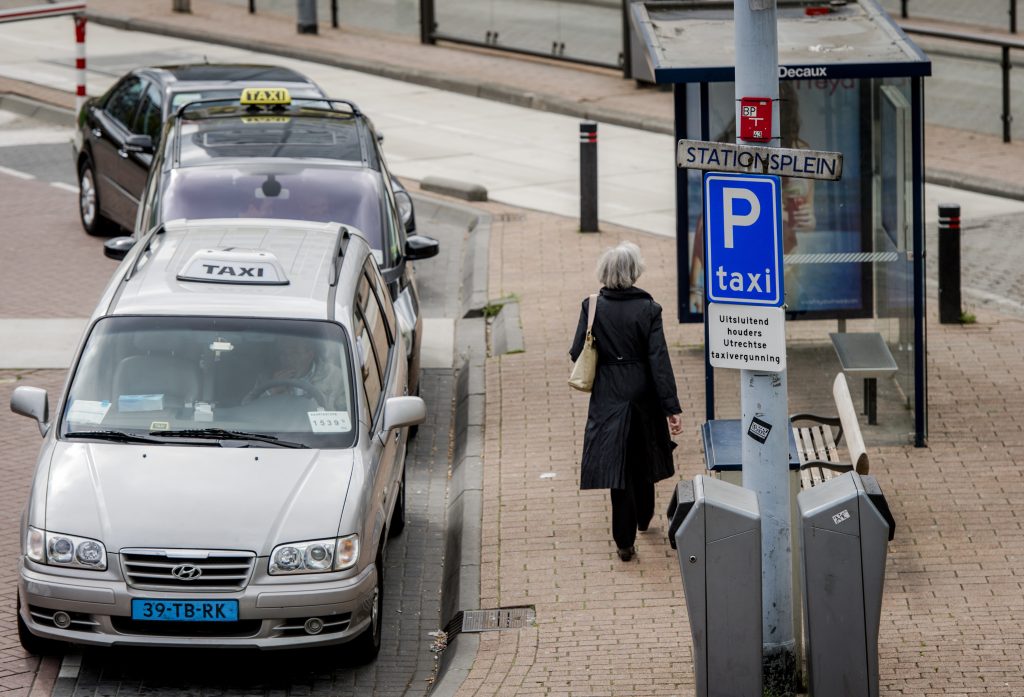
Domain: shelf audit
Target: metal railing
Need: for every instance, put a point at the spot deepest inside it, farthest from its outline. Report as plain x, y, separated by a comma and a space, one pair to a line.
1012, 12
1003, 43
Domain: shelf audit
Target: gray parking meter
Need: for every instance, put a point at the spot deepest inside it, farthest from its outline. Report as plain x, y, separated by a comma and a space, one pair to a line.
845, 526
716, 529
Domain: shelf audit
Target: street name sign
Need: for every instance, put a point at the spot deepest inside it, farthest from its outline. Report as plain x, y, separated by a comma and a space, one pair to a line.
743, 239
758, 159
747, 337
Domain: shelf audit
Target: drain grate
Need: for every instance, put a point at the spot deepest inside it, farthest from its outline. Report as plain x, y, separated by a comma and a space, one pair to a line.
498, 619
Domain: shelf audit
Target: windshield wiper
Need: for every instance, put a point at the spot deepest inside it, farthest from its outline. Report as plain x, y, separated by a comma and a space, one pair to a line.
222, 434
115, 436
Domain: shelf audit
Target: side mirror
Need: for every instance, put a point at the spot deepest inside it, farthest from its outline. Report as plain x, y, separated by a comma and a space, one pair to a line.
34, 402
405, 208
117, 248
404, 411
421, 247
140, 143
380, 137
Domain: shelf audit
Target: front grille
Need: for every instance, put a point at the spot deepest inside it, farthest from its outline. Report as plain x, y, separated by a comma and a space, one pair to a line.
242, 628
197, 569
79, 620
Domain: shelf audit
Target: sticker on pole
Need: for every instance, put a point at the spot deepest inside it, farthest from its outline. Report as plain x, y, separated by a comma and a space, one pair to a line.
747, 337
759, 430
743, 239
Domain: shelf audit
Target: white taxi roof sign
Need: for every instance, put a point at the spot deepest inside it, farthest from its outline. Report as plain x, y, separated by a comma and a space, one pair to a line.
249, 267
265, 96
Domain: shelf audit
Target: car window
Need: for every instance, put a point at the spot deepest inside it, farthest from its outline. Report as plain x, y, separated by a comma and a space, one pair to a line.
290, 379
370, 370
149, 118
388, 310
284, 191
124, 101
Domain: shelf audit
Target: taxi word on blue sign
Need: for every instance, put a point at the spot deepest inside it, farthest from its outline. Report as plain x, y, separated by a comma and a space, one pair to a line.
743, 239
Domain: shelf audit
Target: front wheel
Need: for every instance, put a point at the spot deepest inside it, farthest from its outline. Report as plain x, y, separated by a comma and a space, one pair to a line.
93, 222
366, 646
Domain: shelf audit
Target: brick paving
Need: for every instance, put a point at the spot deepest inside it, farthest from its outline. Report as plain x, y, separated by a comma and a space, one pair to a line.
954, 605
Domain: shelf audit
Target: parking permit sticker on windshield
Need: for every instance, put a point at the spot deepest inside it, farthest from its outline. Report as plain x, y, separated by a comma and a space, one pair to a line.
87, 411
140, 402
329, 421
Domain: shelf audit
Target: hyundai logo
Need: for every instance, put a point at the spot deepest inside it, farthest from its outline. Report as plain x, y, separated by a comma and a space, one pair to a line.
186, 572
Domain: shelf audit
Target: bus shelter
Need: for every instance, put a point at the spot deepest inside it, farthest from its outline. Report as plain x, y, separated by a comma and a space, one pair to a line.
850, 82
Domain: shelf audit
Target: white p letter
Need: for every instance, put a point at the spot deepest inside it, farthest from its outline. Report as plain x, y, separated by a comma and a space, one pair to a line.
731, 220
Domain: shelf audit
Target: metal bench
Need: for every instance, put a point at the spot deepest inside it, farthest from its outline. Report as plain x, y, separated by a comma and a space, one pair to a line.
865, 355
817, 445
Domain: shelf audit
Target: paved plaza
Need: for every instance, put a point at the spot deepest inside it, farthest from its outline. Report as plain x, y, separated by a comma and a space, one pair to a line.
953, 612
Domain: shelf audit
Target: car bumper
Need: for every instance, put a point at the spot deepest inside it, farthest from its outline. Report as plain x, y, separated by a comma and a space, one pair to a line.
269, 616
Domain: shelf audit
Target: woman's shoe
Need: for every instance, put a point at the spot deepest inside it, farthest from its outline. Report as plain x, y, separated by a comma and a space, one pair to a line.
626, 553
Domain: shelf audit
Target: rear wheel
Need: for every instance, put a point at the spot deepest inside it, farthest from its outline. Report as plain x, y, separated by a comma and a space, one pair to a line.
366, 646
93, 222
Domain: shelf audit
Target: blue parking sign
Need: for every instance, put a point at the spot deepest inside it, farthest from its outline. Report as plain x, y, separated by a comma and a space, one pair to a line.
743, 239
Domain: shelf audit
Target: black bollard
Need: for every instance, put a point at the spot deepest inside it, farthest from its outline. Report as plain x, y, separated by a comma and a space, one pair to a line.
307, 17
950, 311
588, 176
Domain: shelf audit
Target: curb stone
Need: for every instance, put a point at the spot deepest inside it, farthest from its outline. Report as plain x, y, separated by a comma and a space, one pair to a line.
33, 108
454, 188
507, 331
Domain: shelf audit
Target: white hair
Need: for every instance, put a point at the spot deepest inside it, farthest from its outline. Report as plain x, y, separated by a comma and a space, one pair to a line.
620, 266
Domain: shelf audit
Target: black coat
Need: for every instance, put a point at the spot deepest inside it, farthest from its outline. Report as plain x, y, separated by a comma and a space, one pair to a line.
634, 391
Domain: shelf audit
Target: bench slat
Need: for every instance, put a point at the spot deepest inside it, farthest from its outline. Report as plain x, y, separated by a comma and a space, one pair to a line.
830, 444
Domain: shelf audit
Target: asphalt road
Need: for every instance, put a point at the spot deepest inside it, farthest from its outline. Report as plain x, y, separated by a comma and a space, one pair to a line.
50, 268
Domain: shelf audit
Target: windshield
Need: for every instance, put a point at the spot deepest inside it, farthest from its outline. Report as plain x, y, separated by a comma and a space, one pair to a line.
321, 194
322, 135
287, 379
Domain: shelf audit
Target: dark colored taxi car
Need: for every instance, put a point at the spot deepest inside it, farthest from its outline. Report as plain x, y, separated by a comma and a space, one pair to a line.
264, 155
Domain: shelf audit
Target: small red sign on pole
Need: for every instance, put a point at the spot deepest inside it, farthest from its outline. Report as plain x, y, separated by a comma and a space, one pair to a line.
756, 119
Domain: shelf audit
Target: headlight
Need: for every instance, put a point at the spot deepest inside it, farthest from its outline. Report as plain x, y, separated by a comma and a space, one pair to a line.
314, 557
65, 550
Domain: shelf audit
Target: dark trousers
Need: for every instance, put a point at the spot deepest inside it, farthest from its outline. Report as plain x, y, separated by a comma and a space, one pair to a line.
632, 508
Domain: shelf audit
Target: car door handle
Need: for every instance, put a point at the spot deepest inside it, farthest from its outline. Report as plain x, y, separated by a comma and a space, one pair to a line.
398, 432
97, 133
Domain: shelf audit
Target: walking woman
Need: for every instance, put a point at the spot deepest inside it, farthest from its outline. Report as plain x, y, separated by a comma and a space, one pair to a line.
633, 403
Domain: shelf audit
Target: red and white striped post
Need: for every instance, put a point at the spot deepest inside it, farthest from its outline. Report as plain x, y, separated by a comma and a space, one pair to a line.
79, 62
59, 9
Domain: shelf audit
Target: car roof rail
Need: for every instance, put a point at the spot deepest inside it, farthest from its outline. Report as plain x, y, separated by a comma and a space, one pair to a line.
233, 101
340, 246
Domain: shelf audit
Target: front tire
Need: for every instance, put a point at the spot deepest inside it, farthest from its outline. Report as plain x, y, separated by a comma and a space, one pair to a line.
93, 222
366, 646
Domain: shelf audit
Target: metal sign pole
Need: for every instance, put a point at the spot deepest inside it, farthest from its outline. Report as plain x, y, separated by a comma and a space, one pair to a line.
763, 395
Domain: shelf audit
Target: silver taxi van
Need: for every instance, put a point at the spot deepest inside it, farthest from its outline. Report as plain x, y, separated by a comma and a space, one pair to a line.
227, 459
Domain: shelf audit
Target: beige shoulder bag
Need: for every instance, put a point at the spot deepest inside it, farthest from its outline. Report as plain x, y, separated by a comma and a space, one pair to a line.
585, 367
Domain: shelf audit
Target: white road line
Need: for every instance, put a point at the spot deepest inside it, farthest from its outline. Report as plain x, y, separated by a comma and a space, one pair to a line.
70, 666
65, 187
16, 173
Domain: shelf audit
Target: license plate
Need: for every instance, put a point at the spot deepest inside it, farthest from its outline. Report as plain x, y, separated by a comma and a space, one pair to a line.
185, 610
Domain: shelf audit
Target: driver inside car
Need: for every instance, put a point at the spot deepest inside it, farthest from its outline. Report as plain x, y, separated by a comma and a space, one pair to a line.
300, 369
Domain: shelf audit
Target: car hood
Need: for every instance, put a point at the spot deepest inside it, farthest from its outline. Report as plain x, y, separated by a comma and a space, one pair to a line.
195, 497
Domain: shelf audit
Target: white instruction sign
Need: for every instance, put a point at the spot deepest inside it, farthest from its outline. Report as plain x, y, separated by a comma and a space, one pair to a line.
747, 337
329, 421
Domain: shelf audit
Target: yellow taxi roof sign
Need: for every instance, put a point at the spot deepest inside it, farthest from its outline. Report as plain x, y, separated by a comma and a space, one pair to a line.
265, 96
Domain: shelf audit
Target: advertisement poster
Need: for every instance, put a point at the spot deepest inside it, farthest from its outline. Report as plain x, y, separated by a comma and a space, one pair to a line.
822, 220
